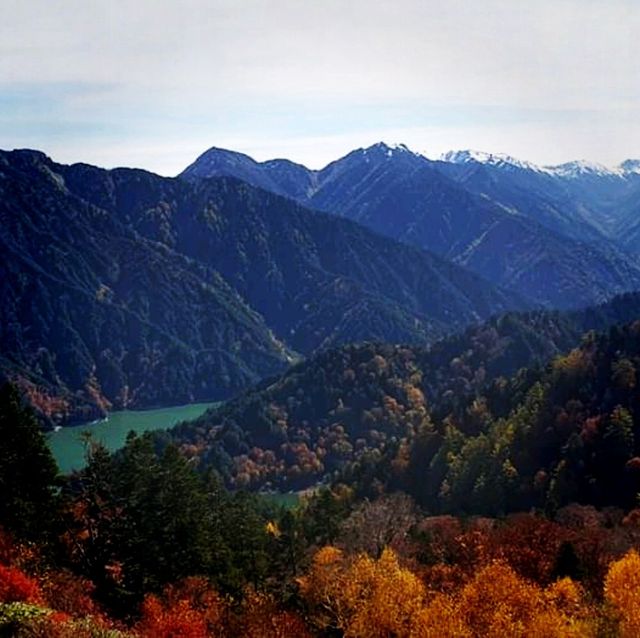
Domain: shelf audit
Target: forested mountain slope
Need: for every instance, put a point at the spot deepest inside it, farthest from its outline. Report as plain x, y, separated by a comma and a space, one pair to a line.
359, 403
95, 316
125, 289
571, 434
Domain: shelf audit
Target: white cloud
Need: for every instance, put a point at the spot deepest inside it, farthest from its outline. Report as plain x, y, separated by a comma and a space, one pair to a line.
180, 69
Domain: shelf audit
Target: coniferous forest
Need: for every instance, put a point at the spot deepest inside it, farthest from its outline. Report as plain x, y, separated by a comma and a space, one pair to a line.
264, 375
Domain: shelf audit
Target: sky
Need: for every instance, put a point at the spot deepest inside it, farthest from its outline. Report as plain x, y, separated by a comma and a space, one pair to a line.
154, 83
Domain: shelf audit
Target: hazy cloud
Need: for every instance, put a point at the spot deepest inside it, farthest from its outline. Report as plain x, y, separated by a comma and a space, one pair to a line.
153, 83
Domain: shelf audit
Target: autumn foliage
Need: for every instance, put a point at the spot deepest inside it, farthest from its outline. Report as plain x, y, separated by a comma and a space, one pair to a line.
16, 586
189, 609
474, 587
366, 597
622, 591
362, 596
145, 547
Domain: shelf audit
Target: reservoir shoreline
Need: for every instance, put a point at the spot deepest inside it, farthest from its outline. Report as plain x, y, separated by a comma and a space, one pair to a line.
67, 446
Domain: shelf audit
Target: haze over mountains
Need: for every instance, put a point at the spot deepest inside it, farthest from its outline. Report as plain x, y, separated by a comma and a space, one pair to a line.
562, 237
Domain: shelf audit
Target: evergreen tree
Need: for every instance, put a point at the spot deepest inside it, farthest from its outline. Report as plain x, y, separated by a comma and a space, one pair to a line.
28, 473
164, 523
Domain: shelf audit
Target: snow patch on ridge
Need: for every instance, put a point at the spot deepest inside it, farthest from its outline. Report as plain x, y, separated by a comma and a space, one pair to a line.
494, 159
568, 170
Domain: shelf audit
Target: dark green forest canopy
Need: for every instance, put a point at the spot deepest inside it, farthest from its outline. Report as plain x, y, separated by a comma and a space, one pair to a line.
28, 474
356, 405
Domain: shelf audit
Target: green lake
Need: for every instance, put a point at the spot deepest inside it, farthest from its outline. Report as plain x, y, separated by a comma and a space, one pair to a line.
66, 443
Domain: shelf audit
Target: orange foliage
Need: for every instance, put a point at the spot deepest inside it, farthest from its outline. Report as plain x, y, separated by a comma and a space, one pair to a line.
42, 400
17, 554
364, 596
530, 545
177, 621
500, 603
440, 619
496, 598
71, 594
443, 578
622, 590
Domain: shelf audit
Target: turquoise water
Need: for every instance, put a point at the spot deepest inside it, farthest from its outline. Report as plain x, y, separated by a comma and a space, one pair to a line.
67, 447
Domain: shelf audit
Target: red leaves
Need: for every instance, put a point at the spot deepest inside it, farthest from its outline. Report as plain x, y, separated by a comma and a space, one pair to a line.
70, 594
16, 586
189, 609
261, 616
180, 620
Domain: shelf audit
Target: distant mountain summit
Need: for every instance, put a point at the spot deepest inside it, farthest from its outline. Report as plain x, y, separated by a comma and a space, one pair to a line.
580, 168
208, 282
630, 166
571, 169
494, 159
547, 233
278, 176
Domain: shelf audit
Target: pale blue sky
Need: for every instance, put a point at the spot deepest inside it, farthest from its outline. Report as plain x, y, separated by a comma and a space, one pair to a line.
153, 83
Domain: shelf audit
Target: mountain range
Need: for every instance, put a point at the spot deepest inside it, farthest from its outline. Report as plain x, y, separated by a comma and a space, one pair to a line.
123, 289
562, 237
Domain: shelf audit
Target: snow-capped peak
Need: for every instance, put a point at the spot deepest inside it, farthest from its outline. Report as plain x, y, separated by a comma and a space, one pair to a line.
568, 170
494, 159
581, 168
630, 166
390, 149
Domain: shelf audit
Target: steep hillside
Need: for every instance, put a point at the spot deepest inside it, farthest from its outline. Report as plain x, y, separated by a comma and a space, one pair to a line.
128, 289
357, 403
570, 435
525, 234
531, 191
318, 281
579, 199
626, 224
94, 316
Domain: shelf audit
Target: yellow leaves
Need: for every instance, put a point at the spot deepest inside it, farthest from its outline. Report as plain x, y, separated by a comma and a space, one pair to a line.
571, 361
272, 529
565, 595
573, 365
415, 396
388, 596
497, 597
440, 619
622, 590
327, 556
498, 602
363, 597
